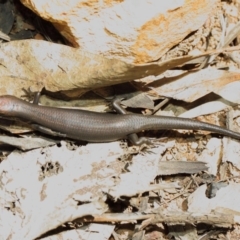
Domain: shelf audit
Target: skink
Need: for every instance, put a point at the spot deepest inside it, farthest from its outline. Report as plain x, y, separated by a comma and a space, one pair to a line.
98, 127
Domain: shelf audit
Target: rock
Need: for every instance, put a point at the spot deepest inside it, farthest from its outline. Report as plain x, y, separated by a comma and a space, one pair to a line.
135, 31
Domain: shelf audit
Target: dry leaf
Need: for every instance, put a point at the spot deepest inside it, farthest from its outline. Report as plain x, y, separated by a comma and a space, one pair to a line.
226, 197
130, 31
88, 231
231, 153
212, 155
191, 86
230, 92
36, 197
206, 108
27, 143
38, 64
32, 203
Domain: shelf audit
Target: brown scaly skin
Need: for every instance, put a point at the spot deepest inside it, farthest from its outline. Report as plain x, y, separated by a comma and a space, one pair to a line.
98, 127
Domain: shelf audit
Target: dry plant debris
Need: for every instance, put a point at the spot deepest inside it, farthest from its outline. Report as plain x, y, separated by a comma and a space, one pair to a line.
112, 190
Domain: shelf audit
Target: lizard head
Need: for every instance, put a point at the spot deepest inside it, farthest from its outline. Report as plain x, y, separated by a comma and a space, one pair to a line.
8, 105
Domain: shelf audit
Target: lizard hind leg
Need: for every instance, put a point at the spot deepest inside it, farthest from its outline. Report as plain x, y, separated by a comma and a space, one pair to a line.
133, 137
